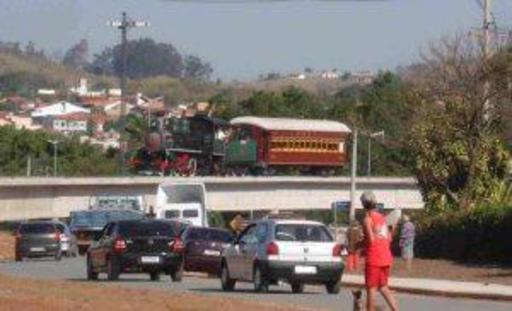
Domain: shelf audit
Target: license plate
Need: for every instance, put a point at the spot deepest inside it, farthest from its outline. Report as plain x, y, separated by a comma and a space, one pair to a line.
209, 252
149, 259
37, 249
305, 270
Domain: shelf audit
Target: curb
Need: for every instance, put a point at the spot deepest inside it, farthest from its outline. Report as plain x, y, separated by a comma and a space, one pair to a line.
440, 293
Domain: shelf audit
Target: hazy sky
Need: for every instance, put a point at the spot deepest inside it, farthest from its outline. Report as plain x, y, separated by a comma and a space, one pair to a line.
249, 37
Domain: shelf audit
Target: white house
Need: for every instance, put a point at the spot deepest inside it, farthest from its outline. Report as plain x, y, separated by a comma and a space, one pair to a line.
330, 75
58, 109
69, 123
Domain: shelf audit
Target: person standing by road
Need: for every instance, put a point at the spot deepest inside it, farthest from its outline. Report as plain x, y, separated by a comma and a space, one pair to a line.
407, 241
354, 237
378, 253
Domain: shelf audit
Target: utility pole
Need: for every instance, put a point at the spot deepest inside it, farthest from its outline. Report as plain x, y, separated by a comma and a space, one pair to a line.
352, 214
486, 52
486, 27
29, 165
370, 136
124, 25
54, 143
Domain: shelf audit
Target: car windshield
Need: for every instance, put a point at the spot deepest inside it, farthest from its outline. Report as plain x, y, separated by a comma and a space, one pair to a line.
172, 214
145, 228
37, 228
190, 213
101, 218
302, 232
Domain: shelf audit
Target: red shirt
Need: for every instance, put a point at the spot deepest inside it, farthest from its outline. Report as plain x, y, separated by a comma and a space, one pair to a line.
378, 252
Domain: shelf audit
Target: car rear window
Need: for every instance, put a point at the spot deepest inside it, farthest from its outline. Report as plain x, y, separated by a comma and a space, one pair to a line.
209, 235
190, 213
196, 234
221, 236
37, 228
153, 228
302, 232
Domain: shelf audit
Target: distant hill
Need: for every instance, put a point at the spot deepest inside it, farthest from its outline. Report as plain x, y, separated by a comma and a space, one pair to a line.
23, 74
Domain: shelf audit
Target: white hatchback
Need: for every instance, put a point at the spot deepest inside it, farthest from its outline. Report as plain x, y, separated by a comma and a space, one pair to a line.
295, 251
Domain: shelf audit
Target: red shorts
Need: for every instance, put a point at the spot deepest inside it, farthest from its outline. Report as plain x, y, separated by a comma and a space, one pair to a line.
376, 277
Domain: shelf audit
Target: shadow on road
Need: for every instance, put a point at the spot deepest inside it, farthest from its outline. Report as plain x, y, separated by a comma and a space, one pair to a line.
249, 291
132, 280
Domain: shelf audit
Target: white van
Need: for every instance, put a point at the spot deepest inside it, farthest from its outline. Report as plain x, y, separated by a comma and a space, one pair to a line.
183, 201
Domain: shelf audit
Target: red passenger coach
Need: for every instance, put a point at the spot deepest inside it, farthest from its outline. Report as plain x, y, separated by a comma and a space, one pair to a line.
314, 146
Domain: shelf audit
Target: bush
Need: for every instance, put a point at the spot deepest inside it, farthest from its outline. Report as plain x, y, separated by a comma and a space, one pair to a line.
481, 234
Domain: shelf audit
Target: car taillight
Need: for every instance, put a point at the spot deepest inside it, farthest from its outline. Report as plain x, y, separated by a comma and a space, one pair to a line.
272, 249
57, 236
119, 245
336, 251
176, 245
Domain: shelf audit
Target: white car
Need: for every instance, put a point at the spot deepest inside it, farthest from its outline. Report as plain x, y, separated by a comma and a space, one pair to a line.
295, 251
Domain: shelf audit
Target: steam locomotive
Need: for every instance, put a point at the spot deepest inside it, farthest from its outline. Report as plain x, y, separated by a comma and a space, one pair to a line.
200, 145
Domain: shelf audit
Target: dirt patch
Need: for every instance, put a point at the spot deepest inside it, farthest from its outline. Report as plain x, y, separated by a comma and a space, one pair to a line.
449, 270
6, 246
32, 294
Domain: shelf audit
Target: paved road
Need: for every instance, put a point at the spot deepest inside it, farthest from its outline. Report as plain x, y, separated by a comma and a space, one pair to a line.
314, 296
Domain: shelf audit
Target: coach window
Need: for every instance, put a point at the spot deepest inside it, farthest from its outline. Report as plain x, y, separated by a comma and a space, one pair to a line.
287, 145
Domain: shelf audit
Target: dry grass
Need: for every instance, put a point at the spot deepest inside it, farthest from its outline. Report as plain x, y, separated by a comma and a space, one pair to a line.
28, 295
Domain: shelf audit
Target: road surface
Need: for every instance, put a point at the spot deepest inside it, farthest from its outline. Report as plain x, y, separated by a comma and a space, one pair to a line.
74, 269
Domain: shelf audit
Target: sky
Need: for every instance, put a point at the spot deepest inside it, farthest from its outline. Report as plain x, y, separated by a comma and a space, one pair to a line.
249, 37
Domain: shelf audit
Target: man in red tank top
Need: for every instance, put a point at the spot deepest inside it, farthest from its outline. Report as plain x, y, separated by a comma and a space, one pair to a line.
378, 253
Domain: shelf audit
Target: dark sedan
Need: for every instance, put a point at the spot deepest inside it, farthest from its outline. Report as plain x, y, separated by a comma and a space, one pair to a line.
37, 239
203, 248
137, 246
87, 225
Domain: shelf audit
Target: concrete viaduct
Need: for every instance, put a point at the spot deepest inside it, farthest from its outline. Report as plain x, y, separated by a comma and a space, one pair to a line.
28, 198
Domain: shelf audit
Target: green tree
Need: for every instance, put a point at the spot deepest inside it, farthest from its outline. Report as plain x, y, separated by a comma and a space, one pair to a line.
77, 55
195, 68
459, 160
145, 58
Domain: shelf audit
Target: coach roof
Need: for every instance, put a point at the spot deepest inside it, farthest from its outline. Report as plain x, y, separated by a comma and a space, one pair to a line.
288, 124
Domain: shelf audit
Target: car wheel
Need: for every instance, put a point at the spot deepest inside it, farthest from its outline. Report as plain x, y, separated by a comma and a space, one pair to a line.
297, 288
58, 256
112, 269
155, 276
260, 282
333, 287
228, 284
177, 275
91, 275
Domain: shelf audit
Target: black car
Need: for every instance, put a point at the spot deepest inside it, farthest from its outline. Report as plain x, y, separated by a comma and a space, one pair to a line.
137, 246
87, 225
37, 239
